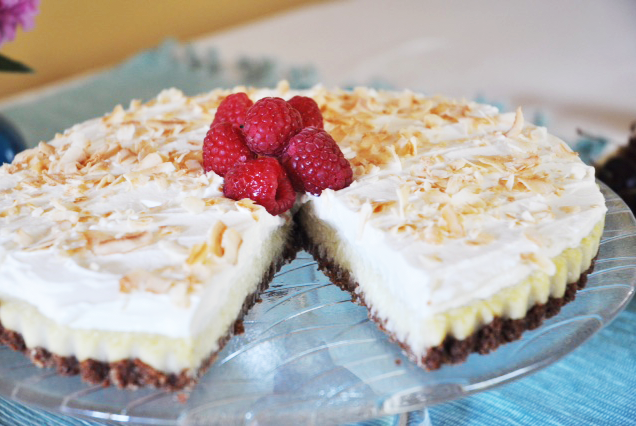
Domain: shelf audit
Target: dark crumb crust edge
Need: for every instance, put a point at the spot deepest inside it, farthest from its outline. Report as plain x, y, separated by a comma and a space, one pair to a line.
134, 373
452, 351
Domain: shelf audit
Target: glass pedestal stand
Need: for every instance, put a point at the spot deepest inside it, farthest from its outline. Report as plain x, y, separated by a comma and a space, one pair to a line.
310, 356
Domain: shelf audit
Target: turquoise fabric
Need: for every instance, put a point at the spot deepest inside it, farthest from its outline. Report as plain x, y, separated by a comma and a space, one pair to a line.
595, 385
143, 77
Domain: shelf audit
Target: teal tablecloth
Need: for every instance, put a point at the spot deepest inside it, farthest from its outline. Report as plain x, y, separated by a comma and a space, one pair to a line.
595, 385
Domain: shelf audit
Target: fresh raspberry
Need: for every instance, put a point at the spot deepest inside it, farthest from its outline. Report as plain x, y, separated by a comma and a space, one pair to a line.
309, 111
223, 147
269, 125
314, 162
263, 180
233, 109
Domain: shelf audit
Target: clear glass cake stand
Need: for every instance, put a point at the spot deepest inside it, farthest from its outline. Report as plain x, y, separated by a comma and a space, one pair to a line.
310, 356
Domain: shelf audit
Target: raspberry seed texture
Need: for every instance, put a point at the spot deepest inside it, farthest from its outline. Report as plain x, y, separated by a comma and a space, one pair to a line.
233, 109
315, 162
223, 147
269, 125
309, 111
262, 180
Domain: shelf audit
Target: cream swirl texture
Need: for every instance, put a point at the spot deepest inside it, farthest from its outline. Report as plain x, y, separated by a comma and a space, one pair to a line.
113, 225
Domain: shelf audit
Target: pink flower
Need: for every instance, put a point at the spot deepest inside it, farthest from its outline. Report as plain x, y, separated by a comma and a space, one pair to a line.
14, 13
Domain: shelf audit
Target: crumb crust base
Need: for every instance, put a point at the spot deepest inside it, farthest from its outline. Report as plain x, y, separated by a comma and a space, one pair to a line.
134, 373
452, 351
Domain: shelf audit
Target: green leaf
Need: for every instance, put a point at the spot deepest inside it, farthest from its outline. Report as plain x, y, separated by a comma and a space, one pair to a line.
9, 65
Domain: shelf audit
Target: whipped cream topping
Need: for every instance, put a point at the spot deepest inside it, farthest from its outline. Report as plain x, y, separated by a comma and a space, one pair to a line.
113, 225
452, 201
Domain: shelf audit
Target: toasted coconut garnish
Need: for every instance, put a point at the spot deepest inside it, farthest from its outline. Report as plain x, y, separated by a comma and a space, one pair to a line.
193, 204
537, 185
142, 280
403, 199
230, 244
215, 238
102, 243
382, 206
517, 126
570, 209
433, 234
151, 160
541, 261
179, 294
452, 221
222, 246
482, 238
22, 238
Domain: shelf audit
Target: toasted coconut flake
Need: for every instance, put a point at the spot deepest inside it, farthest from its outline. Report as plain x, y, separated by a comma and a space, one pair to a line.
517, 126
25, 156
495, 162
125, 156
193, 165
105, 181
166, 167
22, 238
215, 238
198, 254
37, 212
482, 238
46, 148
179, 295
403, 198
537, 185
454, 185
283, 86
570, 209
535, 238
433, 121
541, 261
231, 243
101, 243
174, 249
142, 280
193, 205
510, 181
76, 152
433, 234
453, 222
151, 160
137, 179
125, 133
163, 182
245, 203
116, 116
382, 206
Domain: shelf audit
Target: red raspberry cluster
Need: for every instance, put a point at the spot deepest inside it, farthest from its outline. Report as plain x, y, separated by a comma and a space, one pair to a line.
269, 149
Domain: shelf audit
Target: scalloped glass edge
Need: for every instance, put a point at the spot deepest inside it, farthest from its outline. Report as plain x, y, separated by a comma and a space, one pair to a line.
311, 356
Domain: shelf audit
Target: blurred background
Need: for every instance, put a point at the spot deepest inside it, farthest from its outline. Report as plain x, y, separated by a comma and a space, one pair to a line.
571, 64
76, 36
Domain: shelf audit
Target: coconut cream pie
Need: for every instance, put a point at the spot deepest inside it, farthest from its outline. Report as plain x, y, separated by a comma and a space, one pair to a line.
123, 260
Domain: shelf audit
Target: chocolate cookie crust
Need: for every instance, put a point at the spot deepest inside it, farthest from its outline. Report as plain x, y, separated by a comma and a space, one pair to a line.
451, 350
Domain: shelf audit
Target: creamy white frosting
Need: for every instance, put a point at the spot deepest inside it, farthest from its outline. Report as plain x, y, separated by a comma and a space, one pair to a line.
419, 164
505, 233
81, 288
